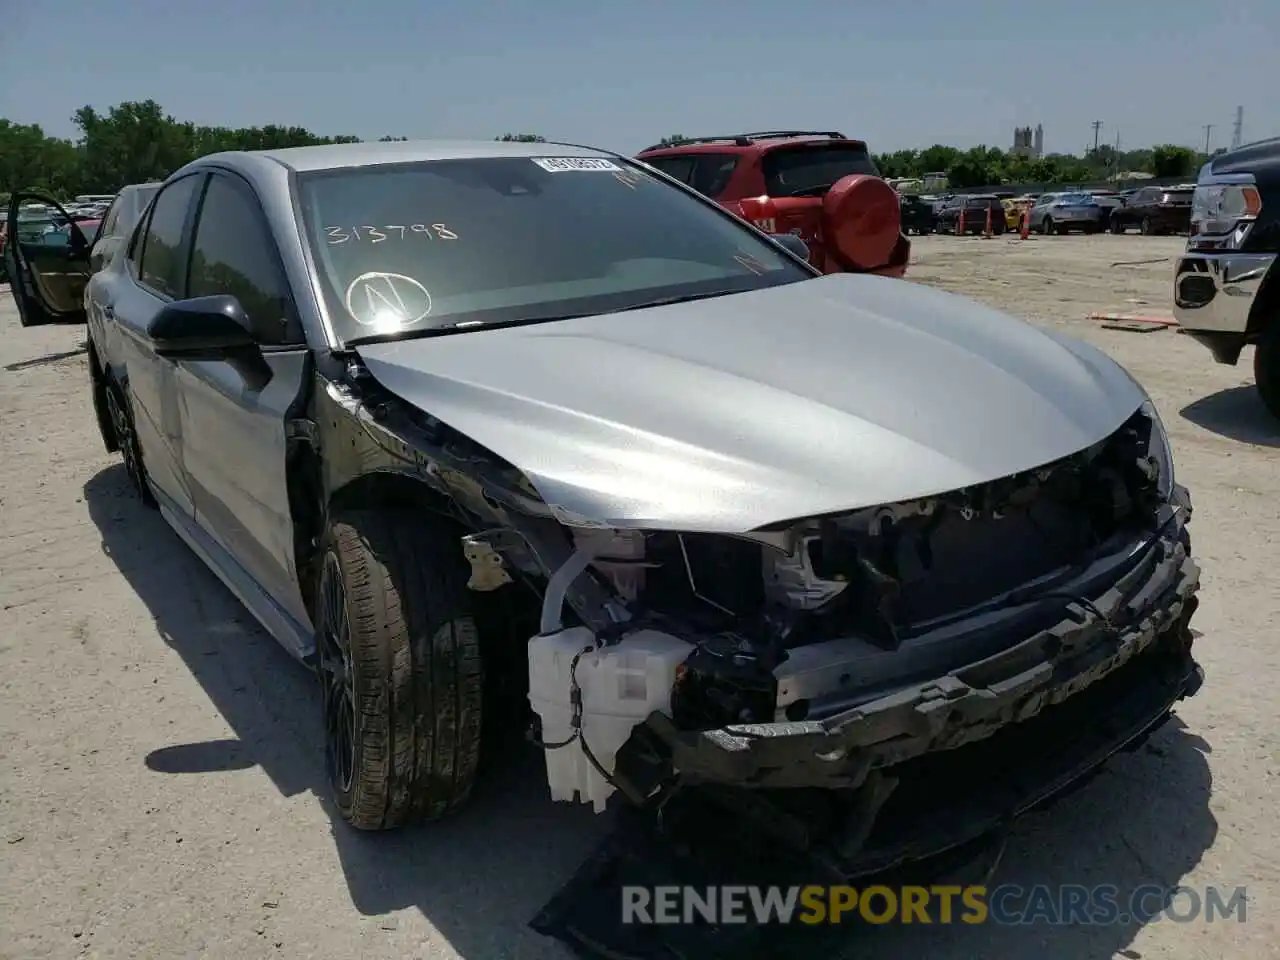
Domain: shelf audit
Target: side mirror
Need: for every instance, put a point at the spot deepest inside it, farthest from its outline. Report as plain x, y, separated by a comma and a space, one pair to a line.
791, 242
203, 328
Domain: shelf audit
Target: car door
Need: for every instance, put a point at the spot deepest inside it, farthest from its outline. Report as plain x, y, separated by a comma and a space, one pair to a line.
47, 265
1041, 208
127, 300
235, 411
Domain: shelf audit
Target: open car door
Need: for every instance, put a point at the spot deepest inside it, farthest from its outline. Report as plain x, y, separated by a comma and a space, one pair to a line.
47, 261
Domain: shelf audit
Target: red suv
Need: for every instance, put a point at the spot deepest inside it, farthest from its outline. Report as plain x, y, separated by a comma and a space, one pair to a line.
821, 187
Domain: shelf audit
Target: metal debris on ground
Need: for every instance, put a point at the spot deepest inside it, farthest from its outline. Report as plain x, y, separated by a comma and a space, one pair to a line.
1139, 263
1132, 321
1132, 326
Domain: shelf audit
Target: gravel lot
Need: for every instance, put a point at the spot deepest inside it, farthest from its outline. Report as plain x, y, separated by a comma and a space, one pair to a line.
163, 786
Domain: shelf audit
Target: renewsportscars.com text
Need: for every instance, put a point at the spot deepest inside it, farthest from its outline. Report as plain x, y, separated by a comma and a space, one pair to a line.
1007, 904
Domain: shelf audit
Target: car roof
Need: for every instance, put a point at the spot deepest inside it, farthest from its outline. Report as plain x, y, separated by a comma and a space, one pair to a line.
334, 156
744, 142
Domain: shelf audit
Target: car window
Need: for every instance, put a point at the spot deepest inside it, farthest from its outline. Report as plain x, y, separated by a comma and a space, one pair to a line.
162, 260
138, 198
110, 220
233, 253
679, 167
802, 169
713, 172
405, 247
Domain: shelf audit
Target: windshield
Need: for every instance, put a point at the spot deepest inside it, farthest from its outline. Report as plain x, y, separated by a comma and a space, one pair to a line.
789, 171
1077, 200
411, 248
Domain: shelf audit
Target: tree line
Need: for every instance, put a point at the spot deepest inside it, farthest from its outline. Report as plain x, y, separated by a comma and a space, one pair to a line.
983, 166
137, 141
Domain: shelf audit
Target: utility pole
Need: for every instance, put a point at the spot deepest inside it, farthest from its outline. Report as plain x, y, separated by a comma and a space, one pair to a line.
1097, 126
1208, 128
1237, 132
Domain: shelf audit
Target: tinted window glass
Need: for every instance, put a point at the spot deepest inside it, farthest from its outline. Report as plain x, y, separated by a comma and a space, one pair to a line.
495, 240
679, 167
162, 261
713, 173
789, 171
233, 253
134, 205
112, 218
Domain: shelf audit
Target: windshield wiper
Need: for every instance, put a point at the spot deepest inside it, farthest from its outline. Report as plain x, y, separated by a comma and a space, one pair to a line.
664, 301
466, 326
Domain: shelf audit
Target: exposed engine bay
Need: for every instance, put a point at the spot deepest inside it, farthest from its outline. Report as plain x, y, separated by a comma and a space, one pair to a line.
800, 624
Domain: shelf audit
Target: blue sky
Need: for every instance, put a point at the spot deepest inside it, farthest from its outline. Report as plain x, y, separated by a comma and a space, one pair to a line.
622, 74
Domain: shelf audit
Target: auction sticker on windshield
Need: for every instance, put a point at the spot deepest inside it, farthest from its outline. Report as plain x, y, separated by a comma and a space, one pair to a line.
568, 164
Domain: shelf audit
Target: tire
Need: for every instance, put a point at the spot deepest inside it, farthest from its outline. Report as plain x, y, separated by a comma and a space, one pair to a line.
1046, 226
1117, 226
1145, 227
398, 661
1266, 367
101, 412
1063, 230
120, 411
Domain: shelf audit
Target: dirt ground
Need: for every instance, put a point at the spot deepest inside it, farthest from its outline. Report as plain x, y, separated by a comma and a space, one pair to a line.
162, 787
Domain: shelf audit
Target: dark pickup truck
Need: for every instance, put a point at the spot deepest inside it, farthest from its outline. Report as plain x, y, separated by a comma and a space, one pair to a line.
1227, 286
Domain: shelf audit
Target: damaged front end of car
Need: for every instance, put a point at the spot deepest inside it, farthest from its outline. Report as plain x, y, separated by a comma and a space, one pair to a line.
825, 677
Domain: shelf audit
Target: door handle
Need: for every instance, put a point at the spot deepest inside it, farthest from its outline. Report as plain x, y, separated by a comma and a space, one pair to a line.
108, 311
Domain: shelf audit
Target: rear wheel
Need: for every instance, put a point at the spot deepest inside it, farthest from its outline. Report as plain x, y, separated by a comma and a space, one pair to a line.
1266, 367
398, 659
1146, 227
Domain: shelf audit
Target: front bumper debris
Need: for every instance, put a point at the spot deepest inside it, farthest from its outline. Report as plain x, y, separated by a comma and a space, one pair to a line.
1003, 737
1094, 639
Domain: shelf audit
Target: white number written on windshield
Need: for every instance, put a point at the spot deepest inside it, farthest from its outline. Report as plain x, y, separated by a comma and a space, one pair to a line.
389, 231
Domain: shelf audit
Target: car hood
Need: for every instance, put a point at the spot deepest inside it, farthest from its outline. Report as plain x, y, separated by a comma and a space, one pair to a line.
729, 414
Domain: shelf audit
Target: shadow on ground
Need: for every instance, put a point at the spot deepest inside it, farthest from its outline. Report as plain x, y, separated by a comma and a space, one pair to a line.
47, 359
1236, 413
480, 876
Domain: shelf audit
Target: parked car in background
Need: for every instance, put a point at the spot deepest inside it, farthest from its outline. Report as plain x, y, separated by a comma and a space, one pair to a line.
1063, 212
465, 416
975, 208
119, 220
1108, 200
822, 187
1014, 209
918, 214
1226, 291
1154, 211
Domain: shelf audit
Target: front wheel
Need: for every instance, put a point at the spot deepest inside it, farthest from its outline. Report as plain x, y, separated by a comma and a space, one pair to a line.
120, 411
398, 660
1266, 367
1046, 226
